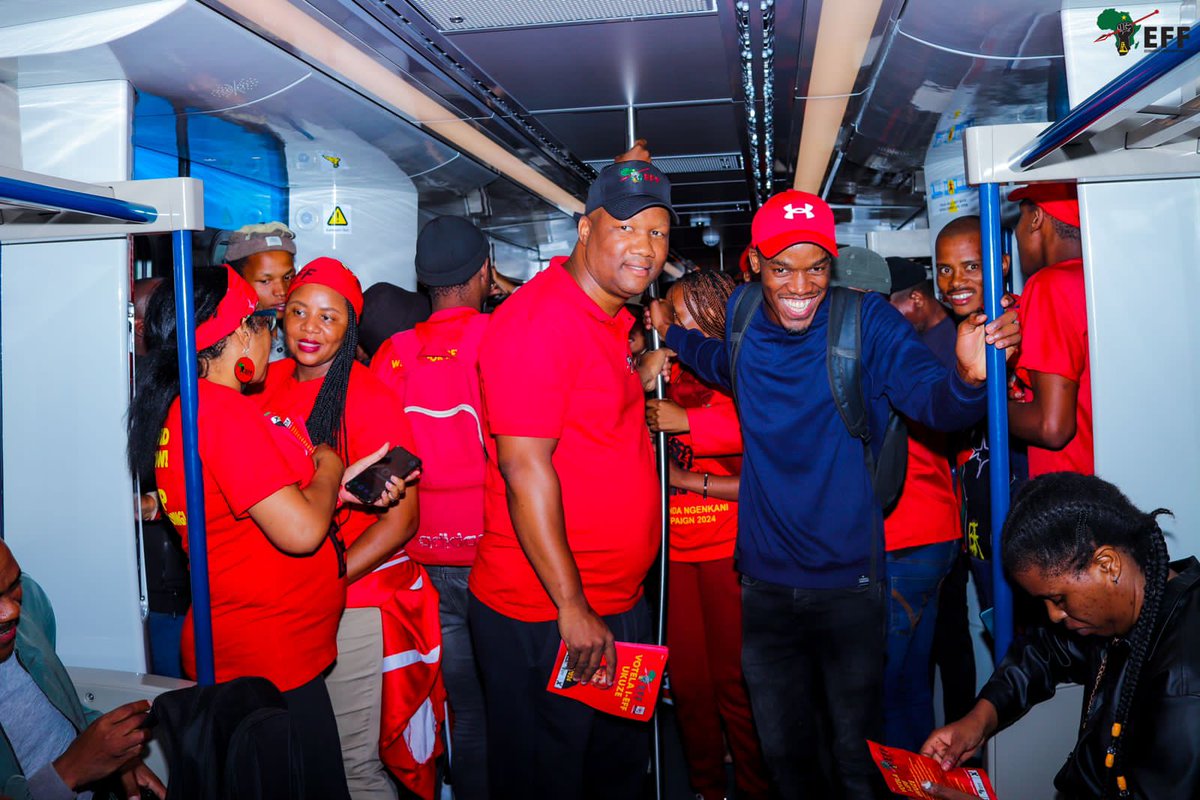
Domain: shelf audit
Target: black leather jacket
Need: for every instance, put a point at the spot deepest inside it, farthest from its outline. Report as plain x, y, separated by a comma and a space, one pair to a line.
1161, 756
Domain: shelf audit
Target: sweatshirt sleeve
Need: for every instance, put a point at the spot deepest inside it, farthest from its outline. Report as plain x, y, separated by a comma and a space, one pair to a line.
715, 428
1031, 671
705, 356
906, 371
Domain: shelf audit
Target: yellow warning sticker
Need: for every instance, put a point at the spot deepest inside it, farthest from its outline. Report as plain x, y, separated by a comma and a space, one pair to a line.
337, 219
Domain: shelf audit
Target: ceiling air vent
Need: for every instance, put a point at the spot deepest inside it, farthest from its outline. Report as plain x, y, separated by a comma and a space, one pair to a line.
479, 15
716, 162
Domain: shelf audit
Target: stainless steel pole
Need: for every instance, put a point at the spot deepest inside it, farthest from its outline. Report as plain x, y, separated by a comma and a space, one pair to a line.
660, 442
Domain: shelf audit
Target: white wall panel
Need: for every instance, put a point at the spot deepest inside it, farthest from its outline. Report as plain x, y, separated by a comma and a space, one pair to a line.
68, 511
1142, 262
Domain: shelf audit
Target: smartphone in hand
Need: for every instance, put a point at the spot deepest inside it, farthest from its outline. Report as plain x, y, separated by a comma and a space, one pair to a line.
369, 484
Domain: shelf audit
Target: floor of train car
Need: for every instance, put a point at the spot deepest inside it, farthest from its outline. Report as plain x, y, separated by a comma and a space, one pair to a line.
675, 766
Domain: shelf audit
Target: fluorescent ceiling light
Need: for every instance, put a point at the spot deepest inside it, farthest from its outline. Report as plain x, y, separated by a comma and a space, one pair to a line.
843, 34
290, 24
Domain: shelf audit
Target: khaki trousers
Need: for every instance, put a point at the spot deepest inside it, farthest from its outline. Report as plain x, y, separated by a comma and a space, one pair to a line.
356, 689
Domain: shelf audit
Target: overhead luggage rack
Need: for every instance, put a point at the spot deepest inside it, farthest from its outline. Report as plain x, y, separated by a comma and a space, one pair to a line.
36, 208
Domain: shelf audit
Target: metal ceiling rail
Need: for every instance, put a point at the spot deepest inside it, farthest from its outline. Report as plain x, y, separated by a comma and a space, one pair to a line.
1156, 74
89, 200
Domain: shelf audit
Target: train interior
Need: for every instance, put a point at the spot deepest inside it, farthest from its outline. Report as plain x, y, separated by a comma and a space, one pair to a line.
356, 121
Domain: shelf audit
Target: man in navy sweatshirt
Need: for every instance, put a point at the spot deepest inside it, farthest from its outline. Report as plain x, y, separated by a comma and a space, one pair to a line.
810, 531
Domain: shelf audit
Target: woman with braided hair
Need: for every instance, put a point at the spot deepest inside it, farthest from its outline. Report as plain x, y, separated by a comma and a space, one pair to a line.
391, 606
1128, 635
704, 626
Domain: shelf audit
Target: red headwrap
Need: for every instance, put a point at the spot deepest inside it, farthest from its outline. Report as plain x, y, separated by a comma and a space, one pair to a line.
333, 274
237, 304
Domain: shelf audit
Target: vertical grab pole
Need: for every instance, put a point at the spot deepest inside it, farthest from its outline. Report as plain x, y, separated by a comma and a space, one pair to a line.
660, 449
997, 396
185, 327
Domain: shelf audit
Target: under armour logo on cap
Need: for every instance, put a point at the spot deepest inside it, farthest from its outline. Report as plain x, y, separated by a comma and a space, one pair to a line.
793, 217
790, 211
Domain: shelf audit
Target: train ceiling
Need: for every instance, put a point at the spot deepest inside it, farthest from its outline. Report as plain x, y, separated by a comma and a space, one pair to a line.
565, 73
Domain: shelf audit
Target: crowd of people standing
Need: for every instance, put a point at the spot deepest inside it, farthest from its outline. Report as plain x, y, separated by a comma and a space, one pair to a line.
807, 602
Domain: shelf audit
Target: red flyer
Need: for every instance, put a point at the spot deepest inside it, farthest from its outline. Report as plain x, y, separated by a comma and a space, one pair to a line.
634, 692
905, 772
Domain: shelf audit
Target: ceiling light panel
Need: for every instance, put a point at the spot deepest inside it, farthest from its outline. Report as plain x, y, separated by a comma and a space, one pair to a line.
451, 16
717, 162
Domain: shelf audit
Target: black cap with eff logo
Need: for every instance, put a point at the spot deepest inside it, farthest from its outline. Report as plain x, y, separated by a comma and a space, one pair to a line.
628, 188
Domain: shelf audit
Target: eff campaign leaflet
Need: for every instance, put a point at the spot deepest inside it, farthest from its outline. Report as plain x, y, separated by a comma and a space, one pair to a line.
905, 772
634, 691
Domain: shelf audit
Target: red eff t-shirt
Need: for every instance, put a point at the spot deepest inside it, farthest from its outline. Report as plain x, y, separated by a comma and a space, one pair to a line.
704, 529
274, 615
555, 366
373, 418
1055, 341
927, 511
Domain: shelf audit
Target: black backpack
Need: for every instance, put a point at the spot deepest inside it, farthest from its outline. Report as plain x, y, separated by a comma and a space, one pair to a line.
843, 360
231, 741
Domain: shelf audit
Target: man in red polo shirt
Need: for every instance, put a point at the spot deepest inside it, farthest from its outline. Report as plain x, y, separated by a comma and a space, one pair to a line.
572, 510
1054, 361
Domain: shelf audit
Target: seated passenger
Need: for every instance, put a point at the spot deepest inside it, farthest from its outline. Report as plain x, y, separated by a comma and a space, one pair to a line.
391, 606
276, 582
1054, 362
50, 746
265, 255
1128, 616
704, 608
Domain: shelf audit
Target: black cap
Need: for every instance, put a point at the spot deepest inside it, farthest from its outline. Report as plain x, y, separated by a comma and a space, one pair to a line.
628, 188
905, 273
387, 310
449, 251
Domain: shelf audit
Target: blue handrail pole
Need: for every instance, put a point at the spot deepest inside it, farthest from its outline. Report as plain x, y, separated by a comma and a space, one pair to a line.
189, 380
42, 196
997, 404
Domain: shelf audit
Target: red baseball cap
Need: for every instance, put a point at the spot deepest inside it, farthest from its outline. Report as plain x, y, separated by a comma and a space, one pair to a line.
237, 304
793, 217
331, 273
1059, 200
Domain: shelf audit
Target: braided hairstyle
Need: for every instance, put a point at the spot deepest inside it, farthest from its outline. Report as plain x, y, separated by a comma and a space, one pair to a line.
706, 293
1056, 524
327, 420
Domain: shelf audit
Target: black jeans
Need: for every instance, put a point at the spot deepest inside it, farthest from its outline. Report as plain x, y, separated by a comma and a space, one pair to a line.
543, 745
814, 661
316, 727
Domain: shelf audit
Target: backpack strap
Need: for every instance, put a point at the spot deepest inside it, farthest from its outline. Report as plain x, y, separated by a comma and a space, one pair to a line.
744, 309
843, 361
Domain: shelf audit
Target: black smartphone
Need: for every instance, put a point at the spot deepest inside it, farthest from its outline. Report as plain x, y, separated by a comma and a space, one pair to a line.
368, 485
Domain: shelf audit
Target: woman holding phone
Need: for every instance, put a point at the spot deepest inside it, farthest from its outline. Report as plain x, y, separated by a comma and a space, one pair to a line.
391, 607
269, 496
